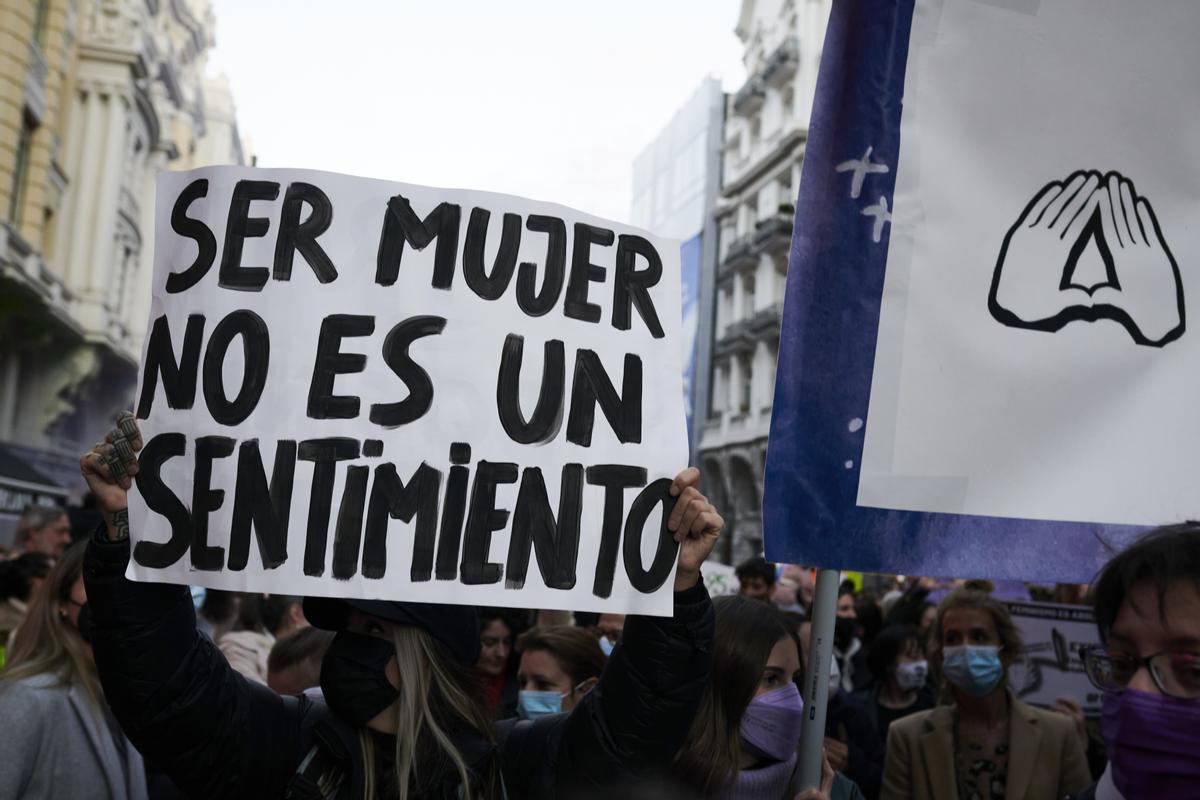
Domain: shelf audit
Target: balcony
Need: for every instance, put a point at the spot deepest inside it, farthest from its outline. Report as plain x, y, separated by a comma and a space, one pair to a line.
782, 63
740, 254
774, 233
766, 320
737, 338
749, 98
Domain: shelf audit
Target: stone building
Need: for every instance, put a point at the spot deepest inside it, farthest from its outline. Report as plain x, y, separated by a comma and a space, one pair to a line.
766, 125
96, 96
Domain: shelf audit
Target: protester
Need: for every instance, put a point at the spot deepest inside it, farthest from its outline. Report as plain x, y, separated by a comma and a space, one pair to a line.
20, 578
869, 618
497, 664
398, 693
218, 613
559, 665
986, 743
294, 664
608, 629
1147, 606
743, 741
756, 578
248, 644
900, 669
847, 647
283, 614
59, 739
45, 529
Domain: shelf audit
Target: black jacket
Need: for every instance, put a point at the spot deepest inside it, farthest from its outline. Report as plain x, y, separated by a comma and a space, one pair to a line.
219, 735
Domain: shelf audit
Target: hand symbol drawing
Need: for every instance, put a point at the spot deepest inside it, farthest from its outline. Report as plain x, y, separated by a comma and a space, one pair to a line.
1034, 284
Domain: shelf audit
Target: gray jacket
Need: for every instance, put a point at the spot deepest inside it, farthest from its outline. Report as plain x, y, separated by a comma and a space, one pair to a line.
56, 745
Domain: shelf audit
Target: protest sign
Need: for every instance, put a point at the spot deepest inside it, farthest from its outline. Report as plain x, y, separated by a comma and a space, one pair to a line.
1049, 666
975, 377
358, 388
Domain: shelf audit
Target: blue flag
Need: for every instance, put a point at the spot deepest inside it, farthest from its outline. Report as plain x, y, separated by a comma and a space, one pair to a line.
832, 318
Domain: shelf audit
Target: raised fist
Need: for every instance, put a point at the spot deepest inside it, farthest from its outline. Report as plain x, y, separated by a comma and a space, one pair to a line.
1035, 285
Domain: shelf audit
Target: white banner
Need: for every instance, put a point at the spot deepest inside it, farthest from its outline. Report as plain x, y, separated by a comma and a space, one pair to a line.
1035, 355
359, 388
1050, 666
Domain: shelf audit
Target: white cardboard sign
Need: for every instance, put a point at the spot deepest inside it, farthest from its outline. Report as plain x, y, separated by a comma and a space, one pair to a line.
1036, 358
358, 388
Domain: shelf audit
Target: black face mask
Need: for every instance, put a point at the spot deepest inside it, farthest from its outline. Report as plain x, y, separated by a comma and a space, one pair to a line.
844, 630
84, 623
353, 677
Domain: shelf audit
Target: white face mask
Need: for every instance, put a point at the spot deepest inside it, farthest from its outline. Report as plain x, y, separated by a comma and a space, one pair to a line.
911, 674
835, 677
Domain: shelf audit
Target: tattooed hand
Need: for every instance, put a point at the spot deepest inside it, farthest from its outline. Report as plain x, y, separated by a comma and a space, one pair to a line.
109, 468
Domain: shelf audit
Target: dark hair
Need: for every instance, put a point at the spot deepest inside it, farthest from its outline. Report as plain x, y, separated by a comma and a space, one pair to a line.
516, 619
249, 614
756, 567
17, 574
577, 651
846, 587
307, 645
870, 616
887, 647
746, 632
220, 605
1165, 555
275, 608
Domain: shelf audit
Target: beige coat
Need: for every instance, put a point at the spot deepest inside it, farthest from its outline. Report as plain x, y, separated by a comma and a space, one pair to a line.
1046, 760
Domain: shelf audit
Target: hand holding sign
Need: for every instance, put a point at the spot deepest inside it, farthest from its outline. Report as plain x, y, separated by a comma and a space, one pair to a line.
696, 525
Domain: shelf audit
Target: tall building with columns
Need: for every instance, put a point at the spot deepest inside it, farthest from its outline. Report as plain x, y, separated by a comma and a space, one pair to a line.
96, 96
766, 125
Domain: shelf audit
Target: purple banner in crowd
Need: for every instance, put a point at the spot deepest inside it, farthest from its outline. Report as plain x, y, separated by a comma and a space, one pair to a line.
828, 346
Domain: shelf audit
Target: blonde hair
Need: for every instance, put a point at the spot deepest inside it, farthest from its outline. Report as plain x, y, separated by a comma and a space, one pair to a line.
47, 642
435, 693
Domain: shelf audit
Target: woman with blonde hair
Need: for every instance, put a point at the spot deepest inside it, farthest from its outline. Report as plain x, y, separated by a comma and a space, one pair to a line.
984, 743
401, 716
59, 738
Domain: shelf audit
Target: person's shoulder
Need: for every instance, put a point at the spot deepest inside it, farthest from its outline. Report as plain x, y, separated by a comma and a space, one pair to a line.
38, 696
912, 725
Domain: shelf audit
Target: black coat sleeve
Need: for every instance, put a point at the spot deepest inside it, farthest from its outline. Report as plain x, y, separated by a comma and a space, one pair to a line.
213, 732
634, 721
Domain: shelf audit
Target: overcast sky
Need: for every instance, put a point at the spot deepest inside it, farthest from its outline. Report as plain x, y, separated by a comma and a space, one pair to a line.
550, 100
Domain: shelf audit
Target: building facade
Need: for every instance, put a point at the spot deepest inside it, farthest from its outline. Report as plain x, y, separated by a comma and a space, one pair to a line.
676, 180
766, 126
96, 96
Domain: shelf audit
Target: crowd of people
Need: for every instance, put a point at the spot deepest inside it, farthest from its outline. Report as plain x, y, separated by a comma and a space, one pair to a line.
117, 689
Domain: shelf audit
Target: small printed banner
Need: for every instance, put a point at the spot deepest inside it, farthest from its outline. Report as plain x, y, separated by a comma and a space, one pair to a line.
985, 364
1050, 666
358, 388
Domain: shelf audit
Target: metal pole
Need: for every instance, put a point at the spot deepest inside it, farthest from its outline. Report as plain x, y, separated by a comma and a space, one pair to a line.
816, 680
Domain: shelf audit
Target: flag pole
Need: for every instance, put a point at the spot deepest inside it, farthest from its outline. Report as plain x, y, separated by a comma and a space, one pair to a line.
816, 678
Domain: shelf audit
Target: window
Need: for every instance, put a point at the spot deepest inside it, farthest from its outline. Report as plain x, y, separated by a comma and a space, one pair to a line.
39, 24
744, 389
20, 168
747, 297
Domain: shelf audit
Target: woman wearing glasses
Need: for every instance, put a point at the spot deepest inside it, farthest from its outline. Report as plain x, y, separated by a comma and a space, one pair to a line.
1147, 603
984, 743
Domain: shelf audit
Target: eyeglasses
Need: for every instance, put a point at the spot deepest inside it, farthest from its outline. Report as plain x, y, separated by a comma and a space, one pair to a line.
1175, 674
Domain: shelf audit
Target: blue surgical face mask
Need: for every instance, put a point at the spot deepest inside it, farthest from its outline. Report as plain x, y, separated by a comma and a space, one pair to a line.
198, 593
531, 705
607, 646
976, 669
